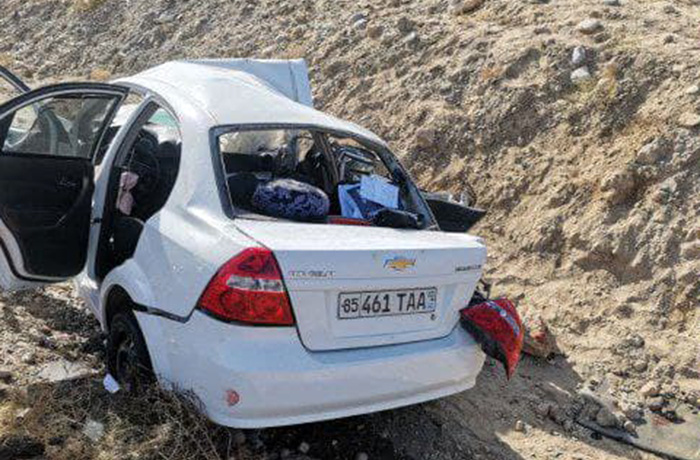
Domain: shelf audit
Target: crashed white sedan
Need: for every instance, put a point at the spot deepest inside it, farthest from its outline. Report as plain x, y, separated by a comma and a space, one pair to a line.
233, 241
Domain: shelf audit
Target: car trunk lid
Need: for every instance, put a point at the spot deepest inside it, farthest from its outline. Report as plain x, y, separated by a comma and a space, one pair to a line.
411, 283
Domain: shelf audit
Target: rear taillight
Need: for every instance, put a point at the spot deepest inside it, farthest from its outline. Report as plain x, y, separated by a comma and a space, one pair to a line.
249, 289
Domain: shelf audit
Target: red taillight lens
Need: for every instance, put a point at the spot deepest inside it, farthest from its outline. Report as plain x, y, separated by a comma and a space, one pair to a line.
249, 289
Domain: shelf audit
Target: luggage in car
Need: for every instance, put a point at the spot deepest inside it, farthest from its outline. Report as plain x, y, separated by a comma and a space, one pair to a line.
291, 199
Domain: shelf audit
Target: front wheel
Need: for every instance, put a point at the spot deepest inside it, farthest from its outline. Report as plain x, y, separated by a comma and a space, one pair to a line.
127, 356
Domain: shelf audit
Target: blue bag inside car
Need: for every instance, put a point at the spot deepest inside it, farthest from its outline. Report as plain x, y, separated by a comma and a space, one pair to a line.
291, 199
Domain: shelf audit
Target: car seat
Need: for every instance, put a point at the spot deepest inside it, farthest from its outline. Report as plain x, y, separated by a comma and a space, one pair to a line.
242, 187
244, 162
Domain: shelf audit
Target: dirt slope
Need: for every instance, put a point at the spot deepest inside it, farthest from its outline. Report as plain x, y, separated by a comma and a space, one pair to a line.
591, 177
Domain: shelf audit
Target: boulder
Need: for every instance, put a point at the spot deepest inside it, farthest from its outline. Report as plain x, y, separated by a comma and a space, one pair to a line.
689, 120
458, 7
425, 138
581, 75
578, 56
654, 151
589, 26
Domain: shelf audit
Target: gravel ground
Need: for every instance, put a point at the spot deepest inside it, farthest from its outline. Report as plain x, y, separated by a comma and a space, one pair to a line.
39, 329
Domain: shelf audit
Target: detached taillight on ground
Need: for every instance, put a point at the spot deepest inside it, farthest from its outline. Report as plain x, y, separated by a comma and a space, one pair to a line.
497, 327
249, 289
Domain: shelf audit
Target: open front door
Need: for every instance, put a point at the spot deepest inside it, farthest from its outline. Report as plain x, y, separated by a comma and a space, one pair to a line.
48, 139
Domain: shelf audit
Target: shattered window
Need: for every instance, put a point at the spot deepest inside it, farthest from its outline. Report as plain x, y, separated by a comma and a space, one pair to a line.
277, 173
314, 177
252, 142
266, 153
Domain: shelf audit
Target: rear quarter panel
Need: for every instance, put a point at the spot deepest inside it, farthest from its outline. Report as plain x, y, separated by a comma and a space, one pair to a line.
177, 255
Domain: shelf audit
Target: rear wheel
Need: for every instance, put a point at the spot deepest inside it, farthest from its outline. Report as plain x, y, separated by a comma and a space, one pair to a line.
127, 356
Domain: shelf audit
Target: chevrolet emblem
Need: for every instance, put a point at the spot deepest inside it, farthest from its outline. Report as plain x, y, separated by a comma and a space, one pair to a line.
399, 264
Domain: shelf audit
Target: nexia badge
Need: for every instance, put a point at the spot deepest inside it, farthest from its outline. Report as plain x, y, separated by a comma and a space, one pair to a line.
399, 263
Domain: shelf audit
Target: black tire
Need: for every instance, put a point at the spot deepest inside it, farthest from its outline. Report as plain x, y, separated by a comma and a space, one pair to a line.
127, 355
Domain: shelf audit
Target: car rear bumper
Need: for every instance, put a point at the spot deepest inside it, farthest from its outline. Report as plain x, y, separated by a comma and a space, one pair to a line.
279, 382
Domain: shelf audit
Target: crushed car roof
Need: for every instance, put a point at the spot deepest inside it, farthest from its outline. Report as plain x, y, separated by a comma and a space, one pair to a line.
245, 92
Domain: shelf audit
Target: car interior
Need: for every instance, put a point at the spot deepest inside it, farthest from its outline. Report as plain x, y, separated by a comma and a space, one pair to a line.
141, 181
318, 177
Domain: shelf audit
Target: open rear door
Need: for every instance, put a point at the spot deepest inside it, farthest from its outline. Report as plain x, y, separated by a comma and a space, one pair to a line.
48, 139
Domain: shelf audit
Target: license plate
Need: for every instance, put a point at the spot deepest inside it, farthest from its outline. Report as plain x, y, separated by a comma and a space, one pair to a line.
370, 304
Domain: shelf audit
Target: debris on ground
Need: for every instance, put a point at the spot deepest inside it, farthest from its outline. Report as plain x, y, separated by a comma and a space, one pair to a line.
675, 439
60, 370
94, 430
304, 448
539, 341
671, 432
111, 385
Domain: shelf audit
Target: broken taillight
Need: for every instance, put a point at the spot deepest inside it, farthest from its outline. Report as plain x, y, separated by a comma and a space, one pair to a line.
497, 327
249, 289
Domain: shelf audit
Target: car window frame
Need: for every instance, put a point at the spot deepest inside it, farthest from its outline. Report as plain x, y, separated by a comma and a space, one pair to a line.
386, 155
56, 90
14, 81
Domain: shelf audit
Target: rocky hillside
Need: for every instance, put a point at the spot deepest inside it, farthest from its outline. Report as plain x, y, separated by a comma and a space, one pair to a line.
576, 122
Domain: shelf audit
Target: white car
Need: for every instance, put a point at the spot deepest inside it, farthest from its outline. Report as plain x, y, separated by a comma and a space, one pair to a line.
133, 189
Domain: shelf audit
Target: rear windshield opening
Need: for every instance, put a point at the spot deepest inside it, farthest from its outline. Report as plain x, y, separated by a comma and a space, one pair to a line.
312, 176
